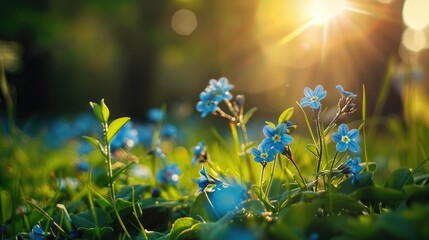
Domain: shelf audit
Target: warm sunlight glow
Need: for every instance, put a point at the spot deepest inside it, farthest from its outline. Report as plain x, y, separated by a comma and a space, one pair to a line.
324, 10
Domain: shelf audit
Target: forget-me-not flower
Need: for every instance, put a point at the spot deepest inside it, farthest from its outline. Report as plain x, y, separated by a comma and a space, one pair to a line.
345, 94
220, 89
346, 139
36, 233
207, 104
264, 153
353, 167
169, 175
199, 152
312, 98
204, 180
276, 138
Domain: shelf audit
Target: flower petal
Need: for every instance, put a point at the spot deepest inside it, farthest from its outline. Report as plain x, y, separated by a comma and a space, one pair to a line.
255, 152
341, 146
343, 129
318, 90
353, 134
268, 131
308, 92
315, 105
353, 146
304, 102
286, 139
336, 137
266, 144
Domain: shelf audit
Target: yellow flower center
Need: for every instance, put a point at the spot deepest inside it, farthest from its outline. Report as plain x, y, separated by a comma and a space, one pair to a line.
345, 139
276, 138
314, 98
264, 155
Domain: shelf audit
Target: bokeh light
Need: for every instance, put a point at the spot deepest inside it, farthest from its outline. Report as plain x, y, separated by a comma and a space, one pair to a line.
415, 14
184, 22
414, 40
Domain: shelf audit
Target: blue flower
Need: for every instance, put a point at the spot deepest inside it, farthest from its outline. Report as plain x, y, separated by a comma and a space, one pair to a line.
313, 98
354, 165
36, 233
207, 104
155, 114
199, 152
346, 139
169, 175
276, 138
168, 131
220, 89
82, 166
225, 199
203, 181
345, 94
264, 153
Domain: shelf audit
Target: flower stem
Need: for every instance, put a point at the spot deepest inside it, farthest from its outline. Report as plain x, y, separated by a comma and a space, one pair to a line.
261, 178
245, 143
109, 162
297, 169
271, 176
319, 133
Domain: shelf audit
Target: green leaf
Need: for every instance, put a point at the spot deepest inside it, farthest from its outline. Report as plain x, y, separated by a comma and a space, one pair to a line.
97, 111
286, 115
115, 126
372, 166
180, 225
299, 214
299, 181
87, 220
339, 202
117, 172
379, 194
249, 114
399, 178
5, 206
105, 113
304, 196
91, 233
203, 208
415, 193
95, 143
313, 150
126, 192
264, 199
270, 124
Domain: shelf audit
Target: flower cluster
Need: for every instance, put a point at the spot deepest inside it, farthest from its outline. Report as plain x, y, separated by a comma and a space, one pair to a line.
274, 142
215, 92
345, 139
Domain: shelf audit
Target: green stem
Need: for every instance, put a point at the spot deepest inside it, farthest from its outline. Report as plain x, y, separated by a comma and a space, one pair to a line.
330, 179
109, 162
271, 176
261, 180
319, 133
299, 172
246, 141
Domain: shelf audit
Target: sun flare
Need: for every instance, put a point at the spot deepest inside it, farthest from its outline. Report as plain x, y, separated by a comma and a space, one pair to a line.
324, 10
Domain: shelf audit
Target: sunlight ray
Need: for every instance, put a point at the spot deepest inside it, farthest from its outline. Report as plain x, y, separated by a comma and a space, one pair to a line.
295, 33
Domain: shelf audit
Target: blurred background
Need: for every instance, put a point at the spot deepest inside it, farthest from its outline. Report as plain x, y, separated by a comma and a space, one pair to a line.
60, 54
